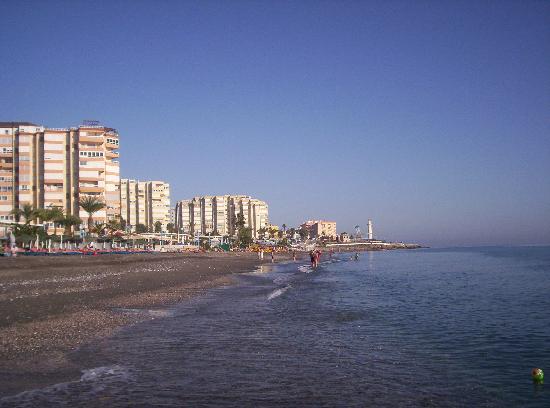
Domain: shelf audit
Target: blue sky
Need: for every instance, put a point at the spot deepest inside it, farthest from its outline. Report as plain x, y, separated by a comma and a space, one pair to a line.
431, 118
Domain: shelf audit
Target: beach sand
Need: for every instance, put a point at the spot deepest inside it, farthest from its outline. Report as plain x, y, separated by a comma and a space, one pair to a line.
49, 306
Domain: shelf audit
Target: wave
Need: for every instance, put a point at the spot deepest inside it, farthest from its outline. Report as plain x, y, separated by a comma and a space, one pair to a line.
305, 269
91, 382
278, 292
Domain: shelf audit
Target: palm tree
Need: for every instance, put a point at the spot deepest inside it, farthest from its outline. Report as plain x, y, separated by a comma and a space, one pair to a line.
262, 231
56, 215
27, 211
98, 228
91, 205
69, 221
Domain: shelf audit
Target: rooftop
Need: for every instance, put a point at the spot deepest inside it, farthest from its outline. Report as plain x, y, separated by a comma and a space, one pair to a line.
15, 124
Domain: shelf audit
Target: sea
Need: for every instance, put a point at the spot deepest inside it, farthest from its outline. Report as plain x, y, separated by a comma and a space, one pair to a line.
460, 327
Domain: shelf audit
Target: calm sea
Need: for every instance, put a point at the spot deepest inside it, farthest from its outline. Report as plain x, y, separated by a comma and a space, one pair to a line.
422, 328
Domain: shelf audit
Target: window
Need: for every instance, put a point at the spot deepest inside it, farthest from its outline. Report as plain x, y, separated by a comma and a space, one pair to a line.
91, 154
6, 188
23, 187
3, 198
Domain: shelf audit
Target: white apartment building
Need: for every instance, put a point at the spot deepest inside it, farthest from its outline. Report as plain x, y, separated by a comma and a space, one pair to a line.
218, 214
145, 202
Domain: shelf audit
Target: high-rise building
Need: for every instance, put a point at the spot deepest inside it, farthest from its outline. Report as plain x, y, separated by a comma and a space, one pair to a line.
48, 167
145, 202
218, 214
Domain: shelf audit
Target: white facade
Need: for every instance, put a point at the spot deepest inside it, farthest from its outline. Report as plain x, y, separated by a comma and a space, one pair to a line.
145, 202
218, 214
369, 230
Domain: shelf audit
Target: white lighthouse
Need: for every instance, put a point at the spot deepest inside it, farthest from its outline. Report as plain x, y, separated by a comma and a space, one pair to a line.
369, 230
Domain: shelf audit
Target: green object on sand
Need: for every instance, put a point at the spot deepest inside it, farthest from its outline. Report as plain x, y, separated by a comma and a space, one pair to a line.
537, 374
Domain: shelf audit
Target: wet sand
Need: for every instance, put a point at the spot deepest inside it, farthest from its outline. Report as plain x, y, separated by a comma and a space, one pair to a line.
49, 306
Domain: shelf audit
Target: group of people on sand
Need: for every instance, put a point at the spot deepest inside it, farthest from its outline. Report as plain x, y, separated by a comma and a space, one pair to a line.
315, 256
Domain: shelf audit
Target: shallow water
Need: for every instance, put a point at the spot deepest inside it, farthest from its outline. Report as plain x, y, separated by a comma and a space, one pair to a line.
453, 328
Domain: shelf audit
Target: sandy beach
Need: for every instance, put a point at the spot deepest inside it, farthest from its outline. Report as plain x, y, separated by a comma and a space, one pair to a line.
51, 305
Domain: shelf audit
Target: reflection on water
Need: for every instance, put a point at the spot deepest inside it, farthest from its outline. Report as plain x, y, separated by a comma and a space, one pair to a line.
396, 328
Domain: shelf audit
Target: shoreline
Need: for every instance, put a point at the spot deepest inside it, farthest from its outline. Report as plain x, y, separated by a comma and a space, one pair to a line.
51, 306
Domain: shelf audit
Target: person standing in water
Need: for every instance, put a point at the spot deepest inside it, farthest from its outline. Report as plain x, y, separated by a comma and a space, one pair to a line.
312, 257
317, 257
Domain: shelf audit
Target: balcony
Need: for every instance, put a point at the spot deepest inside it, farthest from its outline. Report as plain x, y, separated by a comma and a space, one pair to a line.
90, 179
112, 155
91, 139
112, 145
6, 165
91, 189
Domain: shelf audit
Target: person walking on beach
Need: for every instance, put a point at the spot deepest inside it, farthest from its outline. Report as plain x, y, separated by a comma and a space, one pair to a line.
294, 256
272, 256
312, 257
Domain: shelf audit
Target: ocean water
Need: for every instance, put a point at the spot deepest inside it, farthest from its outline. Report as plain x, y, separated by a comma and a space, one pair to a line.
417, 328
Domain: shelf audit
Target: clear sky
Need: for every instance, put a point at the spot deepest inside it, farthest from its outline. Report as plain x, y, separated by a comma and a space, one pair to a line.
432, 118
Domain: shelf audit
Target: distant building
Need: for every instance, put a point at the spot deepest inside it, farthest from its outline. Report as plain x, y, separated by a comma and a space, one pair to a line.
172, 216
47, 167
145, 202
320, 228
344, 237
218, 214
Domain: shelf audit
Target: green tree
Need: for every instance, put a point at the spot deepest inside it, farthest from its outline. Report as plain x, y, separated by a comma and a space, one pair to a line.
244, 237
70, 221
98, 229
262, 232
171, 228
55, 214
27, 211
158, 226
141, 229
114, 224
240, 221
91, 205
304, 233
